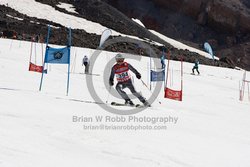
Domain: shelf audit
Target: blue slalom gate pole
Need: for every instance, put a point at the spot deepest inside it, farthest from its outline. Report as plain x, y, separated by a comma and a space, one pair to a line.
46, 53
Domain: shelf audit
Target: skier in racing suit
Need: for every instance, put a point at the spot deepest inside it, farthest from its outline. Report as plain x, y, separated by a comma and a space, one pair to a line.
120, 69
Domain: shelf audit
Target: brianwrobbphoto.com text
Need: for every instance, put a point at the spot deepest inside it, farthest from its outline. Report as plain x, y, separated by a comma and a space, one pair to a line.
125, 122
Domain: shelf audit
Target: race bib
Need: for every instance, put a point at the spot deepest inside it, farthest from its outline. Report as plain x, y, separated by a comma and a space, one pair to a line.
121, 77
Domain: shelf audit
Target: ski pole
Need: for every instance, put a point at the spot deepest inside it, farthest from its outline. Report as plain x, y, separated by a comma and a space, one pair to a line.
108, 94
150, 91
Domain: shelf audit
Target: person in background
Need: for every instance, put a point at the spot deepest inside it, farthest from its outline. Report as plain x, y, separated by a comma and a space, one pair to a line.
163, 61
196, 66
85, 62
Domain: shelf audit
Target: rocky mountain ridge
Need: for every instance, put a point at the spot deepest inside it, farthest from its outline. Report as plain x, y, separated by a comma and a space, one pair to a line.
225, 24
97, 11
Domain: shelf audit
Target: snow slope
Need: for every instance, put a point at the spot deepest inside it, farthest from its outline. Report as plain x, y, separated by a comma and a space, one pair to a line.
42, 11
37, 128
68, 7
209, 128
138, 22
180, 45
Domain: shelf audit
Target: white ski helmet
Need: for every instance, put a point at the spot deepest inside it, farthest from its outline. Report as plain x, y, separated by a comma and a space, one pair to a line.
119, 57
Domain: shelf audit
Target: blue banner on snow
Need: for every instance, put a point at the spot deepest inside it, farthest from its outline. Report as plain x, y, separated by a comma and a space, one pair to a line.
57, 55
157, 75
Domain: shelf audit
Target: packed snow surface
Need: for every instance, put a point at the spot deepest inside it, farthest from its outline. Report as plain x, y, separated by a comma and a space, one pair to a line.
209, 128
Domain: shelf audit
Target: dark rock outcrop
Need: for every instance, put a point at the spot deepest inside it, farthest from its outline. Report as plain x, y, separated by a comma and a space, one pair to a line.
225, 22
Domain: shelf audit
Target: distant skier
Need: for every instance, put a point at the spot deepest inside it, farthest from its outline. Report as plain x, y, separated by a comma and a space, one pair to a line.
196, 66
85, 62
121, 70
163, 61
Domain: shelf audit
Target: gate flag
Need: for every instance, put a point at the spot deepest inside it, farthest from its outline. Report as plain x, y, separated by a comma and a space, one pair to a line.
57, 55
173, 94
157, 75
35, 68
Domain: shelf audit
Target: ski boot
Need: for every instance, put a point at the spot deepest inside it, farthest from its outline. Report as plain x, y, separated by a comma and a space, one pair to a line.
146, 104
129, 103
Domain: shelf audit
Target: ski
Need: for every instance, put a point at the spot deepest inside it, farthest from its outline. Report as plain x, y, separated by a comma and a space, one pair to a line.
82, 101
194, 74
87, 74
91, 74
120, 104
101, 103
